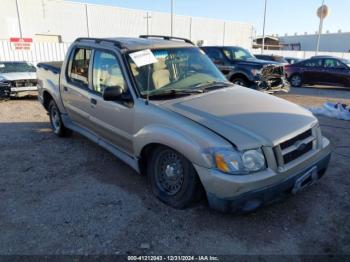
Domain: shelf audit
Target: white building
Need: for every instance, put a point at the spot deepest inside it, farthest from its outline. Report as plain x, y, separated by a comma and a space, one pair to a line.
58, 20
329, 42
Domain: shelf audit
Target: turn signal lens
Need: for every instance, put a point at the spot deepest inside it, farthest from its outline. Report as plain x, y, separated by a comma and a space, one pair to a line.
221, 164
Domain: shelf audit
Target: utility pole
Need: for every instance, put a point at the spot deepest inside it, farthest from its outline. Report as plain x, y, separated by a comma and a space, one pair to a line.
19, 20
147, 21
320, 28
172, 18
263, 39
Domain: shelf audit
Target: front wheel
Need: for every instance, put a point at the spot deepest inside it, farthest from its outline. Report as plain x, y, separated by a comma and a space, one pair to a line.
172, 177
240, 81
56, 121
296, 80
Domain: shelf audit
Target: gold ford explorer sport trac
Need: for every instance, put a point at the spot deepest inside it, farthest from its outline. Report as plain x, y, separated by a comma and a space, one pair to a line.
160, 105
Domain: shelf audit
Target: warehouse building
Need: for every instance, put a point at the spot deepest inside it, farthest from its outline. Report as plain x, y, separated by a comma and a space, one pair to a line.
329, 42
64, 21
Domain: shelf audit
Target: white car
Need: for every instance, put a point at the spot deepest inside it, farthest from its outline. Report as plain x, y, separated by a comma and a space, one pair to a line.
17, 77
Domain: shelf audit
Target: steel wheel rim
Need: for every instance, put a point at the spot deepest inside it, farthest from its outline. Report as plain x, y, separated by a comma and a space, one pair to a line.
55, 118
170, 173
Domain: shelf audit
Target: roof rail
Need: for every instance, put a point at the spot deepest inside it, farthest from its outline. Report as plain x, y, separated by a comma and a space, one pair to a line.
168, 38
99, 40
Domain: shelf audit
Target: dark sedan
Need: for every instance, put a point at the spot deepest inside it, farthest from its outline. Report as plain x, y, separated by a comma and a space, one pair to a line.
319, 70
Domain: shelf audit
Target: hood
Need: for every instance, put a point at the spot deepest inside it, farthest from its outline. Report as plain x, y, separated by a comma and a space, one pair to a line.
254, 61
245, 117
18, 76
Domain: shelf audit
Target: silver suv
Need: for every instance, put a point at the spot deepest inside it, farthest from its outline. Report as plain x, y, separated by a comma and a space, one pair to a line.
162, 106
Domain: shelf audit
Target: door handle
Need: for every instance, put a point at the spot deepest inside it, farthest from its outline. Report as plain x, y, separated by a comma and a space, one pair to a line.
93, 101
65, 88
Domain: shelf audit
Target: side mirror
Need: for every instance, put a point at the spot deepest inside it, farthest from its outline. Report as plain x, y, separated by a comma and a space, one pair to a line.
112, 93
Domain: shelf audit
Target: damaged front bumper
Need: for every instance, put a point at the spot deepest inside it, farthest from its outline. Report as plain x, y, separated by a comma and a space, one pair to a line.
271, 79
272, 85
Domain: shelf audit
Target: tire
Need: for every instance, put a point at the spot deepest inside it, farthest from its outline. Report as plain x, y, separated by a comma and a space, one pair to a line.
240, 81
56, 121
172, 178
296, 80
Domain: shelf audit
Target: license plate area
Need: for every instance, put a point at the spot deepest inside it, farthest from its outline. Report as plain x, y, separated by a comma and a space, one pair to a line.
309, 178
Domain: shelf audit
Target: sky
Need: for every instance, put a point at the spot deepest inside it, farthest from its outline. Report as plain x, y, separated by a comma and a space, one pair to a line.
283, 16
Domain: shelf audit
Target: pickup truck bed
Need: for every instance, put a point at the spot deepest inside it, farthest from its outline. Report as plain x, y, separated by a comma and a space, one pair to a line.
55, 67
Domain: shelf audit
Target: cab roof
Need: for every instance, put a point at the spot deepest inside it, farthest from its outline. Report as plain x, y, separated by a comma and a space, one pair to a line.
144, 42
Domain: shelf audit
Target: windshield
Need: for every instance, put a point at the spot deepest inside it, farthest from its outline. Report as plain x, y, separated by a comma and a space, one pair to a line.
237, 53
16, 67
180, 69
346, 61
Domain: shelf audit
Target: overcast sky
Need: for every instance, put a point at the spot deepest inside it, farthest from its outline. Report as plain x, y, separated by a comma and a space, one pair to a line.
284, 16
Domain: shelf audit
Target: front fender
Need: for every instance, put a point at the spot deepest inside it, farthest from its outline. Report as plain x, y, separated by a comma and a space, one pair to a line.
246, 73
164, 135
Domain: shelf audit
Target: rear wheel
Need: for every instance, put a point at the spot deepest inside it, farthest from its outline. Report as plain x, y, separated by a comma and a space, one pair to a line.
172, 177
296, 80
240, 81
56, 121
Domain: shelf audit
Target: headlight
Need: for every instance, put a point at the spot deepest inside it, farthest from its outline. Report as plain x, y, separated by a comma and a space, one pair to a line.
256, 72
239, 163
253, 160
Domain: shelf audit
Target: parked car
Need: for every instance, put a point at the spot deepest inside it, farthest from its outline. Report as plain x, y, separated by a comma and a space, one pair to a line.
16, 78
320, 70
162, 106
293, 60
274, 58
242, 68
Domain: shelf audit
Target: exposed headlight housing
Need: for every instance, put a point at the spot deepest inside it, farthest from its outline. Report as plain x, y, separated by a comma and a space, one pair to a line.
255, 72
239, 163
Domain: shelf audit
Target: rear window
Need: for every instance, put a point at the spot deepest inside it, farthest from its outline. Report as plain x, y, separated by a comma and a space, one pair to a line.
78, 71
17, 67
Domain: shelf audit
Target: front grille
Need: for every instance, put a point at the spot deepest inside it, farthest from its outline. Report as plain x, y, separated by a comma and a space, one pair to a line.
292, 141
297, 153
24, 83
272, 71
290, 150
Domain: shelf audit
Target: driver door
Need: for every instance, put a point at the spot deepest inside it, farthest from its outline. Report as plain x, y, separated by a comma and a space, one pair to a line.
113, 120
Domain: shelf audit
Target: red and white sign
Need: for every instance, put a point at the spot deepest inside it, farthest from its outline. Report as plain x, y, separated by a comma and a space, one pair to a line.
21, 43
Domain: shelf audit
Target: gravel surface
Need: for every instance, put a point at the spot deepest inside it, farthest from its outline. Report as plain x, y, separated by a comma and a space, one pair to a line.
69, 196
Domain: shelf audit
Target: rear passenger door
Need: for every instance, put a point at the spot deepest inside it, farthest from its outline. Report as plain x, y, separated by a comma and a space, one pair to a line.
112, 120
75, 90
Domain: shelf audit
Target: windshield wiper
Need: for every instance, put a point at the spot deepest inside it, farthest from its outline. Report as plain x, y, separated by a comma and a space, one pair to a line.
211, 85
175, 92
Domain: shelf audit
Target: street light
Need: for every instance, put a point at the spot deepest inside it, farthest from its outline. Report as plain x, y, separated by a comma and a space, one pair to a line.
322, 13
172, 18
19, 20
263, 39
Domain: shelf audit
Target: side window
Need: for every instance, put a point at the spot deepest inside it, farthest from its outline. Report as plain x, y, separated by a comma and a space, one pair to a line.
313, 63
332, 63
214, 54
79, 66
106, 72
